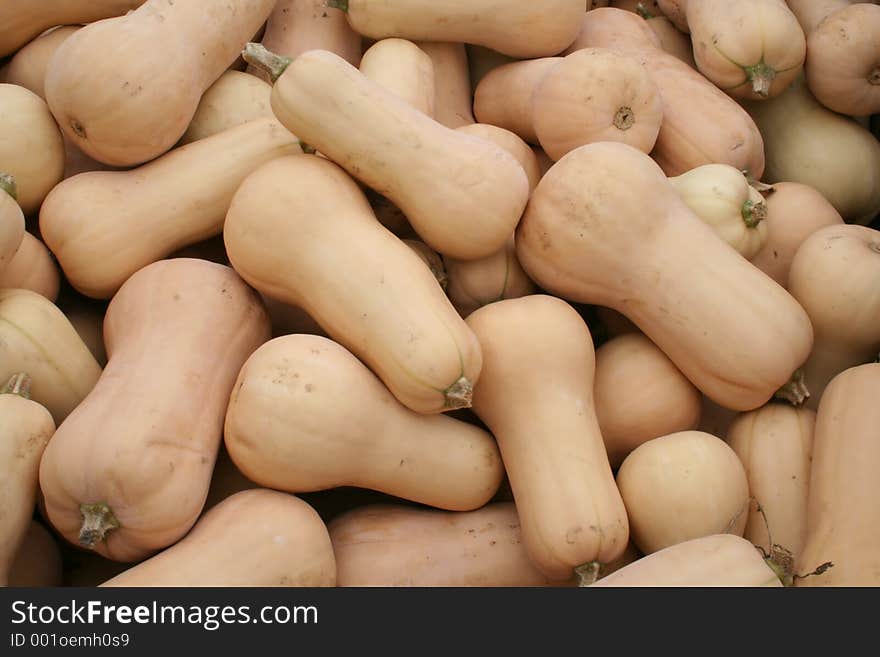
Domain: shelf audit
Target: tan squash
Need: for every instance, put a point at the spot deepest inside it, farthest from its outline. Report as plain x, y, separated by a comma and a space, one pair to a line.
673, 40
482, 60
28, 68
404, 69
640, 395
513, 28
735, 333
235, 98
284, 430
843, 60
35, 336
38, 560
257, 538
25, 427
683, 486
127, 473
596, 94
32, 268
295, 26
843, 518
775, 445
809, 144
31, 148
723, 198
749, 48
105, 226
794, 212
385, 545
453, 103
676, 12
723, 560
812, 12
834, 276
372, 134
11, 222
431, 259
701, 124
128, 110
536, 396
23, 21
375, 296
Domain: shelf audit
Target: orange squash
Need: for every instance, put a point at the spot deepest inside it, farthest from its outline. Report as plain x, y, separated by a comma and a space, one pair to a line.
28, 68
235, 98
404, 69
812, 12
673, 40
453, 106
32, 268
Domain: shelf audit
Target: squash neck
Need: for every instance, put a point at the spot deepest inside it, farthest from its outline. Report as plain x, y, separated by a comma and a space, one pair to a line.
19, 384
7, 184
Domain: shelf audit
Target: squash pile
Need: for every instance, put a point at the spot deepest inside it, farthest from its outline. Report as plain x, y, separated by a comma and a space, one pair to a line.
361, 293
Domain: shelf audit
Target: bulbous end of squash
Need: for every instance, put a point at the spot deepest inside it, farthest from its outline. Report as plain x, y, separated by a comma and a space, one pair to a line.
7, 184
273, 64
459, 394
98, 521
795, 391
588, 573
19, 384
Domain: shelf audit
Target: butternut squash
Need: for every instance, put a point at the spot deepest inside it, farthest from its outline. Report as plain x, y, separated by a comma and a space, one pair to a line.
295, 26
843, 518
374, 296
404, 155
26, 428
431, 259
38, 560
11, 222
809, 144
28, 68
596, 94
23, 21
732, 331
235, 98
834, 276
536, 396
812, 12
254, 538
37, 337
125, 111
701, 124
775, 445
640, 395
284, 431
672, 40
32, 268
683, 486
404, 69
794, 212
453, 104
749, 48
127, 473
105, 226
513, 144
512, 28
722, 197
385, 545
676, 12
719, 560
31, 148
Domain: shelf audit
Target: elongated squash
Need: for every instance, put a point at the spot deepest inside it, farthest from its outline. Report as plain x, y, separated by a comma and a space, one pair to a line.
38, 560
28, 68
32, 268
453, 106
735, 333
127, 473
128, 110
11, 222
235, 98
254, 538
105, 226
374, 296
404, 69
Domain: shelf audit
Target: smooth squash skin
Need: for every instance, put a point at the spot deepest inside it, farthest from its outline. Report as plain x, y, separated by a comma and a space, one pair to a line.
676, 12
749, 48
235, 98
404, 69
32, 268
513, 144
431, 259
126, 111
517, 28
683, 486
25, 429
257, 538
24, 20
11, 222
775, 445
31, 148
536, 396
371, 294
720, 560
843, 518
385, 545
734, 332
809, 144
640, 395
38, 560
127, 473
834, 276
794, 212
453, 106
673, 40
463, 196
105, 226
28, 68
701, 124
36, 337
284, 430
